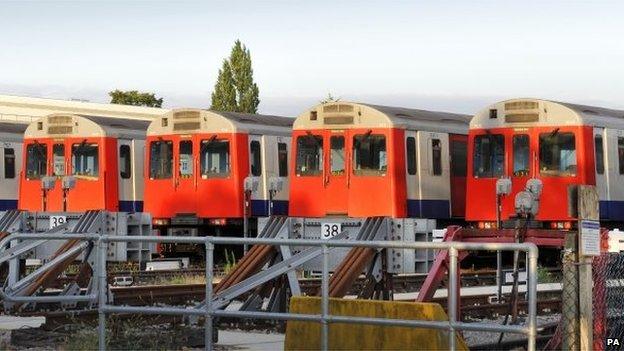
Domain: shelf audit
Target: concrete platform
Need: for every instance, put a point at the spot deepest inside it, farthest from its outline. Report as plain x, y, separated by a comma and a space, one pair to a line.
241, 340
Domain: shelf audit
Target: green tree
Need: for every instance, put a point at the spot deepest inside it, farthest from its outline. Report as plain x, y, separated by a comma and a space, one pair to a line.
235, 89
135, 98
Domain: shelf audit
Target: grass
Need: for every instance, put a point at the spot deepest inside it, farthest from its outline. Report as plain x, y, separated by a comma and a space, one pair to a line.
546, 276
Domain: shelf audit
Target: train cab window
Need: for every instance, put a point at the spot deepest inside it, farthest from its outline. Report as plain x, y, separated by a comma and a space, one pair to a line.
215, 158
256, 159
621, 154
185, 167
410, 151
489, 156
600, 168
58, 160
36, 161
309, 155
436, 156
282, 159
520, 155
557, 154
125, 162
85, 160
369, 155
9, 163
161, 159
337, 155
459, 159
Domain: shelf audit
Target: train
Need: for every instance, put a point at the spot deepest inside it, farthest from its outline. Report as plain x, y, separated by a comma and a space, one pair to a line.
561, 144
198, 163
11, 135
361, 160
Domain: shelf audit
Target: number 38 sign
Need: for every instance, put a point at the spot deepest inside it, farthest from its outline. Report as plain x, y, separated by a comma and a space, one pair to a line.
330, 230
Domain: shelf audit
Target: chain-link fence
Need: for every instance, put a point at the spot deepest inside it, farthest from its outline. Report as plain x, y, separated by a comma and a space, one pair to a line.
607, 303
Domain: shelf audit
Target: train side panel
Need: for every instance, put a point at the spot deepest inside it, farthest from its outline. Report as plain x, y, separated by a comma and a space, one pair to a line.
10, 169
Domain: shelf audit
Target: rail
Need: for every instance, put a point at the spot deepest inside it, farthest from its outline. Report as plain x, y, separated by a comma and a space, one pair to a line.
324, 318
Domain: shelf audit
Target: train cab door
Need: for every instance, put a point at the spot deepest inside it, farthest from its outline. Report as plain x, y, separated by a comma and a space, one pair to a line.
59, 160
459, 151
336, 179
127, 191
184, 182
602, 183
257, 171
521, 165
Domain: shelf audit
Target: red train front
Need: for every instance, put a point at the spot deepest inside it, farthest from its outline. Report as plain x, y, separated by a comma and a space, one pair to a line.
561, 144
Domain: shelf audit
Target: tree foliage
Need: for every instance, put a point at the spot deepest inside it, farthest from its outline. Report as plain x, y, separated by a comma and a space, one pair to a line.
134, 98
235, 89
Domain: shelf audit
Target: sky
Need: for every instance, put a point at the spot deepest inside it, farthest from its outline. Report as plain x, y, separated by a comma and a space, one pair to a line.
456, 56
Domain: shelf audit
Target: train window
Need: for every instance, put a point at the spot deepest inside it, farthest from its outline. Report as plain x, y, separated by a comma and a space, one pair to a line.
85, 160
599, 154
557, 154
36, 161
215, 158
410, 150
621, 154
9, 163
282, 159
185, 167
520, 155
369, 155
436, 156
125, 162
58, 160
256, 160
458, 158
337, 155
309, 155
161, 159
489, 156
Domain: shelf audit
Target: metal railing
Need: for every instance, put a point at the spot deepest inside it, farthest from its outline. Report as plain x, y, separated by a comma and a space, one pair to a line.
324, 318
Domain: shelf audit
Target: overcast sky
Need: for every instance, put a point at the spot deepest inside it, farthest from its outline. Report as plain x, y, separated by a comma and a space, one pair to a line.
446, 55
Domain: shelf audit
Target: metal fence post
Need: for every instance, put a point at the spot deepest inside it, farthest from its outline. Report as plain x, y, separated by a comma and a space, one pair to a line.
532, 297
325, 300
208, 337
452, 296
102, 292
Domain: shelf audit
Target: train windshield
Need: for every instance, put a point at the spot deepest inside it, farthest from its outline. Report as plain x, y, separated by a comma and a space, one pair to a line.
215, 158
309, 155
185, 167
557, 153
36, 161
489, 156
58, 160
369, 155
161, 159
85, 160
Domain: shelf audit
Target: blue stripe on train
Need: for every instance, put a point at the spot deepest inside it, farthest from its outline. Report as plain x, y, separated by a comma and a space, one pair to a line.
131, 206
6, 205
260, 208
612, 210
428, 208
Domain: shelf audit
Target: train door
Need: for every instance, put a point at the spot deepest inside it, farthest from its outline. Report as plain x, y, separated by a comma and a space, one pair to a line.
337, 166
259, 199
126, 176
521, 165
59, 160
411, 180
185, 175
602, 184
458, 159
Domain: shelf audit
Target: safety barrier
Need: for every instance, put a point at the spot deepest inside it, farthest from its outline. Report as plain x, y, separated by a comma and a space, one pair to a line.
210, 309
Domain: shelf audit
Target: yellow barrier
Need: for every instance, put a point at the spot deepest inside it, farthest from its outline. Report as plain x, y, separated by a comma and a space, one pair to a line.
307, 335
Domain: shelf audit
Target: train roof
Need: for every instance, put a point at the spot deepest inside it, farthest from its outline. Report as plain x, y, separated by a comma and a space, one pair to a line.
59, 125
11, 132
189, 120
346, 115
529, 112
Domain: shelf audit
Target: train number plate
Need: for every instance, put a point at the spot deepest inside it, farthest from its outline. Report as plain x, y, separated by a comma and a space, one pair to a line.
330, 230
55, 221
